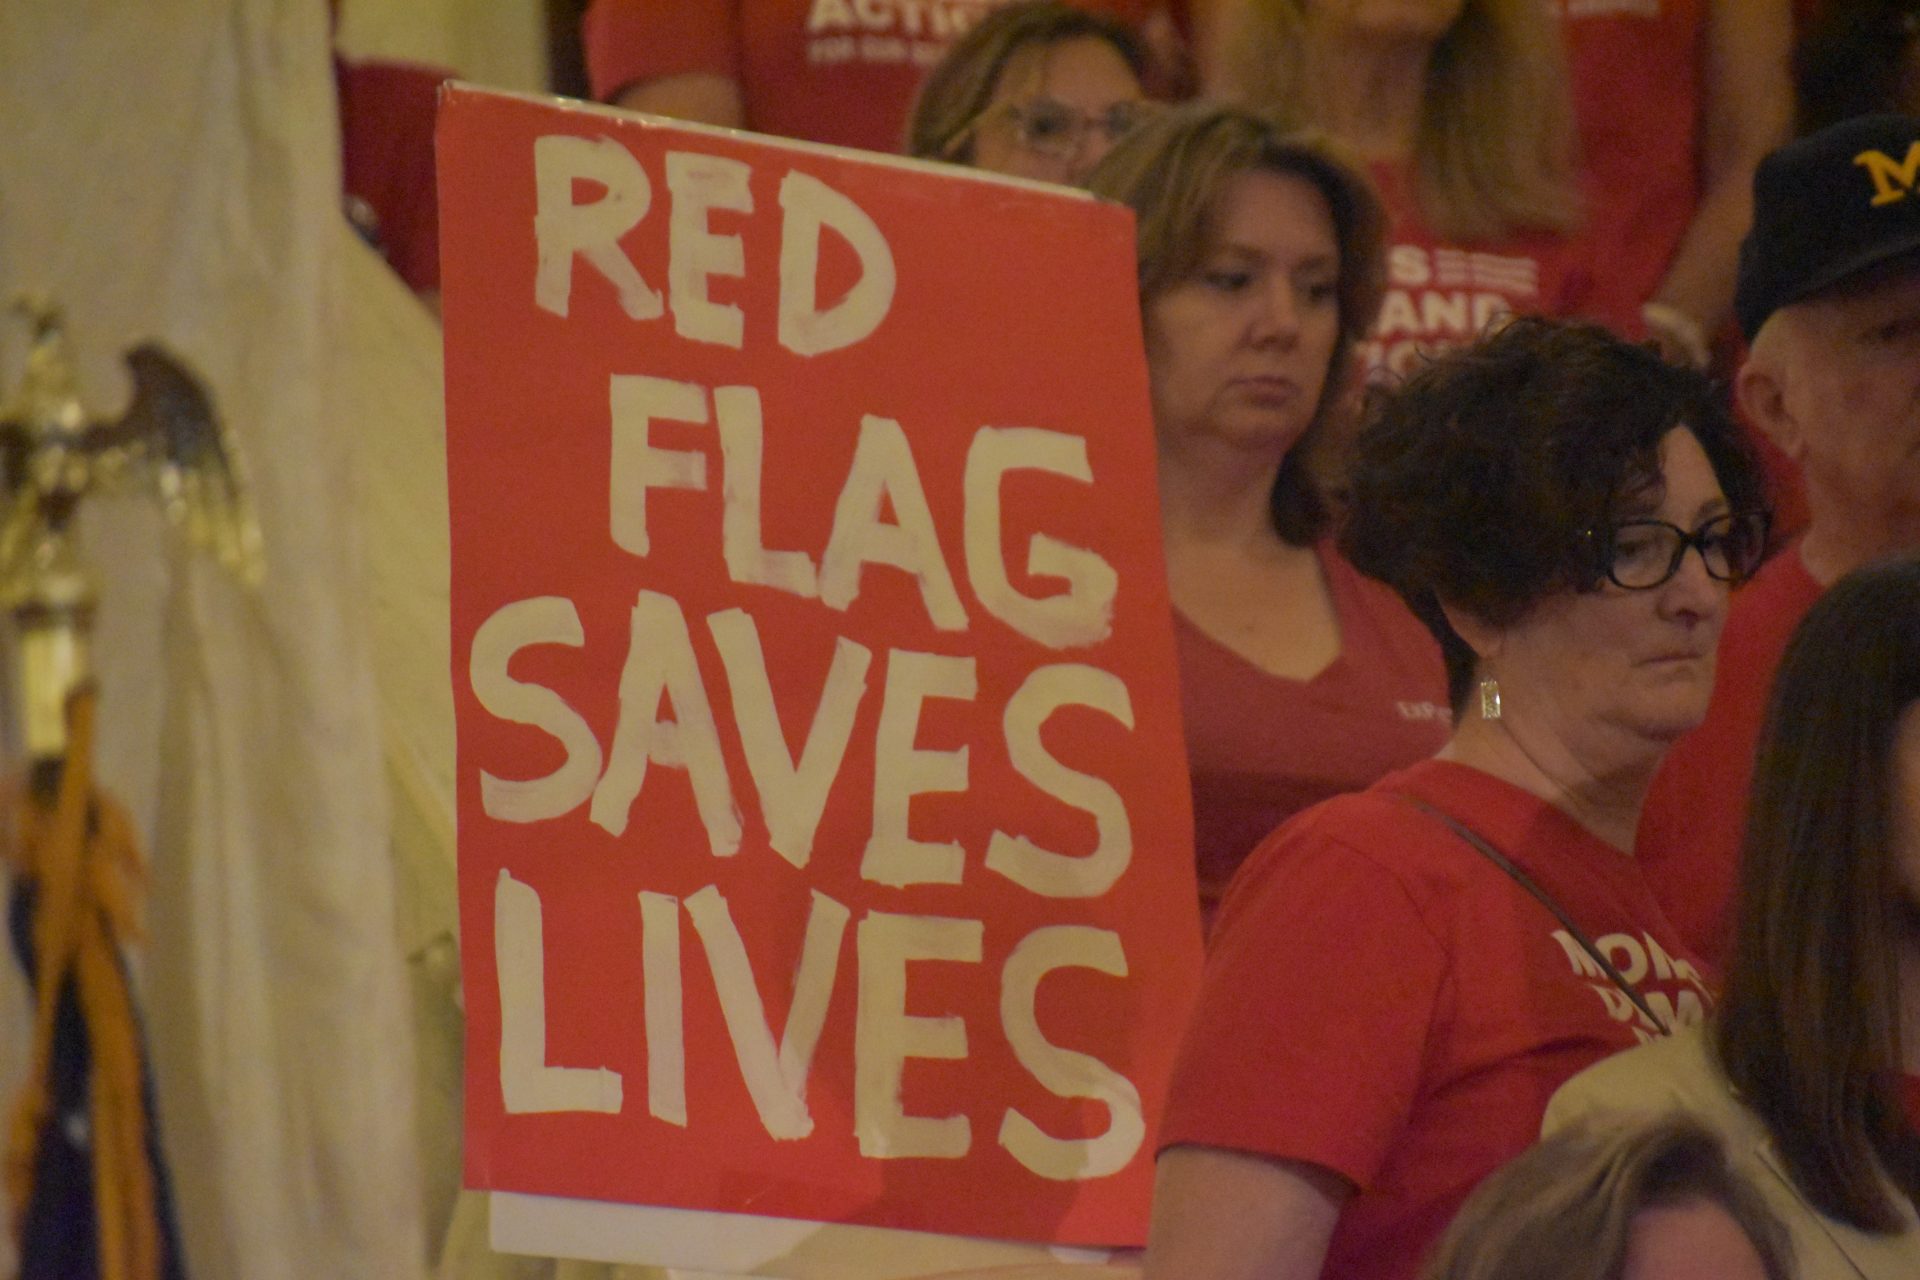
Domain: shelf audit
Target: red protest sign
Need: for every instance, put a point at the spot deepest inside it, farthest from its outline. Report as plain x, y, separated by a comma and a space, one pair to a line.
823, 829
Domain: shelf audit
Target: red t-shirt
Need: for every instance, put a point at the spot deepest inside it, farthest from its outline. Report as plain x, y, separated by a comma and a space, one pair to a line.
1383, 1001
1695, 817
1441, 294
1636, 79
839, 71
1261, 747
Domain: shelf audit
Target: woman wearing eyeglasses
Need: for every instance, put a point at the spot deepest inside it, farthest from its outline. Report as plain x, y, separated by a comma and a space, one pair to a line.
1036, 90
1259, 265
1400, 979
1810, 1067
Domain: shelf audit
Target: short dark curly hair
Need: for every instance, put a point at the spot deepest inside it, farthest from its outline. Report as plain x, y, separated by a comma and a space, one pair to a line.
1479, 479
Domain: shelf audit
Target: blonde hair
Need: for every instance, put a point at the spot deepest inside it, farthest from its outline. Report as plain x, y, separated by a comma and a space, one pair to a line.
961, 86
1174, 171
1495, 151
1565, 1208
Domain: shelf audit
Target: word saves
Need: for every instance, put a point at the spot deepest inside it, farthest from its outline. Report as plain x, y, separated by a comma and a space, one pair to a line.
882, 523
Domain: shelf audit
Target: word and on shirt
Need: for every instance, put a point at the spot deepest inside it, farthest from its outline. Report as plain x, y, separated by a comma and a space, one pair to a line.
1438, 298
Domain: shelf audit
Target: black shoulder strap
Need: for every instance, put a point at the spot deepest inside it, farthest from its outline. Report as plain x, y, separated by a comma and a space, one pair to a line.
1527, 882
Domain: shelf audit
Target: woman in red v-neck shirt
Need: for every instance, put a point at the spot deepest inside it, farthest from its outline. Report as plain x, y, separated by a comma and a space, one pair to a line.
1809, 1064
1260, 268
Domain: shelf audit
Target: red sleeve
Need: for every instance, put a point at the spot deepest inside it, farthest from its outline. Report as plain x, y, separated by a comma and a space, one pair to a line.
1309, 1035
631, 40
386, 159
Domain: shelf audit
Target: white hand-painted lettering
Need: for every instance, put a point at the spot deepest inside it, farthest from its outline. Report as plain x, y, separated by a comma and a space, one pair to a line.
598, 231
1672, 988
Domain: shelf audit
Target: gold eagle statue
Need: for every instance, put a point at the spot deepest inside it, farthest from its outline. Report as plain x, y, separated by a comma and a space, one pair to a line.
54, 455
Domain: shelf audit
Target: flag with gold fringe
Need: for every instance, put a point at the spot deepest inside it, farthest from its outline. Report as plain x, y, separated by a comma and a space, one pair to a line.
83, 1171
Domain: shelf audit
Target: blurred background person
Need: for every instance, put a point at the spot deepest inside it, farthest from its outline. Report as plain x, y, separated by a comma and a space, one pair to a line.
1811, 1066
1652, 1201
1400, 979
1829, 297
821, 70
1038, 90
1857, 58
1676, 102
1462, 112
1259, 260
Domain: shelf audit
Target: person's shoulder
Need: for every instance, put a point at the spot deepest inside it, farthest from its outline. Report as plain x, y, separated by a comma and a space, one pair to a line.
1340, 870
1340, 827
1675, 1071
1386, 833
1355, 818
1355, 836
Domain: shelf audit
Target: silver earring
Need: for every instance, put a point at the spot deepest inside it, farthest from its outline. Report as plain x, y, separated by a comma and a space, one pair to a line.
1489, 698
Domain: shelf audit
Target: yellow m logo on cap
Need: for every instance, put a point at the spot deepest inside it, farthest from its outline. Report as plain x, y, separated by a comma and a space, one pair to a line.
1892, 179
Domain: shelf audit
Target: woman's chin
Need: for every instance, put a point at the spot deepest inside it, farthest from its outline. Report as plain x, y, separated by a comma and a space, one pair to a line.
1671, 724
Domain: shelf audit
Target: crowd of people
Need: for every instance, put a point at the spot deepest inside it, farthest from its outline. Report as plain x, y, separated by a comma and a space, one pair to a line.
1539, 447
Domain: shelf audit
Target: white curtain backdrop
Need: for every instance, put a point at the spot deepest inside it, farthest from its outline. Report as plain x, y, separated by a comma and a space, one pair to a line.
171, 171
502, 43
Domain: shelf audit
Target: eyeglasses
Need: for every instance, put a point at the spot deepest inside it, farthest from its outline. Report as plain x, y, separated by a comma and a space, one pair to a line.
1643, 554
1054, 129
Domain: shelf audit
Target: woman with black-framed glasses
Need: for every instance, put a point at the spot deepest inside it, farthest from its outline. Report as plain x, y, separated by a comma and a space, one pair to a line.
1399, 979
1644, 553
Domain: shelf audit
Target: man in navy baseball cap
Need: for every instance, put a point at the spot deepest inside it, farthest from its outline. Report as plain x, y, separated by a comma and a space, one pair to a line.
1829, 298
1826, 209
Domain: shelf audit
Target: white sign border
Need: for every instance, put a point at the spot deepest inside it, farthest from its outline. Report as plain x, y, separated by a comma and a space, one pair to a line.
739, 1244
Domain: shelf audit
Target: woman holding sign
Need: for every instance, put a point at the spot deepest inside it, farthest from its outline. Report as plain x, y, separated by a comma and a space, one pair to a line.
1260, 267
1400, 979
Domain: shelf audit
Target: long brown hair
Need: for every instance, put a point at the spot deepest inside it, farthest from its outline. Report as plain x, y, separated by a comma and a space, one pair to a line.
1174, 171
1808, 1029
1495, 153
